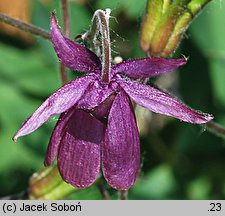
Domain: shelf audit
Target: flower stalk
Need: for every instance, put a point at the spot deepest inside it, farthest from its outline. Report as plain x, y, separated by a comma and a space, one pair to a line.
100, 24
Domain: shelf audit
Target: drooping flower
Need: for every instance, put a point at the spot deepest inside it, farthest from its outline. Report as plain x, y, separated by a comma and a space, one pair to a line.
97, 123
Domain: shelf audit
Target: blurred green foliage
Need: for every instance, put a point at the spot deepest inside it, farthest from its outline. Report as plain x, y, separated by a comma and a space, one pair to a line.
179, 161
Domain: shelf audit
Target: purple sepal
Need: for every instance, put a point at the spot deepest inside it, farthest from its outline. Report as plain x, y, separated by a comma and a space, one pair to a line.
72, 54
59, 102
161, 102
147, 67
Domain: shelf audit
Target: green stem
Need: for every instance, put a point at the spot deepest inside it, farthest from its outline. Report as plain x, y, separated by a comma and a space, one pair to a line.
24, 26
48, 184
62, 190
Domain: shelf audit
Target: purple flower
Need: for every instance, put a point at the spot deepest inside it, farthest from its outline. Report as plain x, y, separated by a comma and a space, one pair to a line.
97, 123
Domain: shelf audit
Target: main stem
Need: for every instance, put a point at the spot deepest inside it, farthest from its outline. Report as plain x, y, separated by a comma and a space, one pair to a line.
66, 20
100, 24
66, 28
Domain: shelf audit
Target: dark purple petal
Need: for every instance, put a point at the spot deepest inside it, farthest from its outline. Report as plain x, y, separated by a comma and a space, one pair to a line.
147, 67
79, 151
121, 148
160, 102
72, 54
57, 136
96, 93
59, 102
101, 112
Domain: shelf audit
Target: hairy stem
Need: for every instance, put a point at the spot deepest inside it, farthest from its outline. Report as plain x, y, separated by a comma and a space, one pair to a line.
100, 24
24, 26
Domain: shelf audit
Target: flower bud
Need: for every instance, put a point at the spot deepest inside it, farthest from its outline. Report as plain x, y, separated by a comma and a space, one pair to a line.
164, 24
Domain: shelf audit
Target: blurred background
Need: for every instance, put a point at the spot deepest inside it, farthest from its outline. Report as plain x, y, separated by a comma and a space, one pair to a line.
179, 160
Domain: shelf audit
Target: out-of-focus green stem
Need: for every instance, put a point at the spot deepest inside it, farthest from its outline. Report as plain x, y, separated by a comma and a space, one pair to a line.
48, 184
43, 181
62, 190
216, 129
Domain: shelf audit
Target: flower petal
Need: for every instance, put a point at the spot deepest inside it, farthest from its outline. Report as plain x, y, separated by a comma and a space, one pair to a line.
101, 112
147, 67
121, 147
96, 93
160, 102
57, 136
79, 151
58, 102
72, 54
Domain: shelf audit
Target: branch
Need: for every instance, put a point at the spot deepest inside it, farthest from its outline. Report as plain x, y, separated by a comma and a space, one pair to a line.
24, 26
66, 27
66, 20
216, 129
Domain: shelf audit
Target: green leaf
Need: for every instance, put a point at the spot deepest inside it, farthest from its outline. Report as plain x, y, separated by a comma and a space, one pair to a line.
80, 19
30, 70
158, 184
13, 155
208, 33
199, 189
